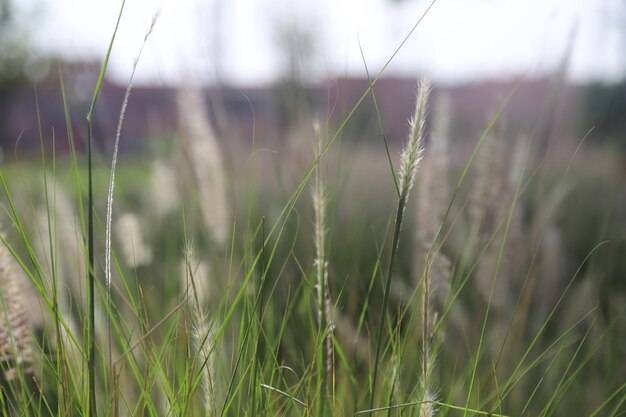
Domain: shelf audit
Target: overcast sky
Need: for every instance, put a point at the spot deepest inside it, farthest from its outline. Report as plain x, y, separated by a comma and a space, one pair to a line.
458, 40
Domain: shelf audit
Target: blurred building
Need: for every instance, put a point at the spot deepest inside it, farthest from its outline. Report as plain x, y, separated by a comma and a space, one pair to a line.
543, 107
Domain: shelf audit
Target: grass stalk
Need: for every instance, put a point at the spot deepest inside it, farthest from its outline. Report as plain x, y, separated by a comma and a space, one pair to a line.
90, 340
109, 208
409, 163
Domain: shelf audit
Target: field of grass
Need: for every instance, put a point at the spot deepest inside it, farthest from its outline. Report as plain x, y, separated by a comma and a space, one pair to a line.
315, 279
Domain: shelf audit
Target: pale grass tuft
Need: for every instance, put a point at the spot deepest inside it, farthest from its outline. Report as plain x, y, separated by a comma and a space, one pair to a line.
164, 188
59, 225
16, 342
324, 305
433, 182
205, 157
65, 230
202, 334
200, 270
135, 251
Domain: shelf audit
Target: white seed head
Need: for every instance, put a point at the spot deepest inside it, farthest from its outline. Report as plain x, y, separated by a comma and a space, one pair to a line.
412, 153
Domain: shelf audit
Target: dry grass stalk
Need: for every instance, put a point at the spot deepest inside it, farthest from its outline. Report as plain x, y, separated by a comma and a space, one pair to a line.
433, 266
433, 202
502, 182
488, 189
433, 185
488, 180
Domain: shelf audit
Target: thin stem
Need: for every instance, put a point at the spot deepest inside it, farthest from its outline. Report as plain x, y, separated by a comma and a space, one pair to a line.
91, 325
392, 261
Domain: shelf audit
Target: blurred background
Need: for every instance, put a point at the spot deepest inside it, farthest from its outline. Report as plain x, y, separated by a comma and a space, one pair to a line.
262, 55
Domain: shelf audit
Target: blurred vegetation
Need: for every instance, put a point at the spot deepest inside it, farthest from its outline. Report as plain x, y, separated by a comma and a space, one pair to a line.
603, 107
20, 60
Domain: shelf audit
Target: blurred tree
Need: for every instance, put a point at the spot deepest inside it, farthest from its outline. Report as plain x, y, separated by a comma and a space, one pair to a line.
14, 51
612, 18
296, 44
603, 108
18, 61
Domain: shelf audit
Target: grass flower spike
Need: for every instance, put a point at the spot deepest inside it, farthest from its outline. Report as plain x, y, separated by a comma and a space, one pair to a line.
409, 162
412, 153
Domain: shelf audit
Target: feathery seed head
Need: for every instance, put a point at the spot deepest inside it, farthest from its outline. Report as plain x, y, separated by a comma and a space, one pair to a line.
412, 153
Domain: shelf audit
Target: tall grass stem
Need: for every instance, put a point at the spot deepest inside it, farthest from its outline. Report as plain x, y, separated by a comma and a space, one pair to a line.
409, 163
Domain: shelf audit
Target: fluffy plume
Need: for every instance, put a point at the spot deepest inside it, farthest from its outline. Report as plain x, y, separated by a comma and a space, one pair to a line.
412, 153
